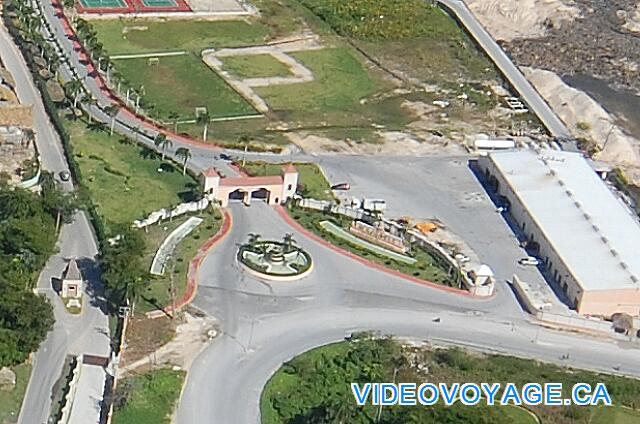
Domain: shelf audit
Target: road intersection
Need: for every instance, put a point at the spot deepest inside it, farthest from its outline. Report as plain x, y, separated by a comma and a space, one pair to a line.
264, 324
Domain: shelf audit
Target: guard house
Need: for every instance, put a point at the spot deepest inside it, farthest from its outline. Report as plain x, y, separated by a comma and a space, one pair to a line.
274, 190
72, 281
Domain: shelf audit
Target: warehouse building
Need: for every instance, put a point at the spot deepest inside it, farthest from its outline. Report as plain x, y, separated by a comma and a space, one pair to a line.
586, 239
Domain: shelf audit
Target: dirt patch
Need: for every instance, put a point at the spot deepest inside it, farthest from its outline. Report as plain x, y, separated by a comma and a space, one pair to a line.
189, 337
145, 335
511, 19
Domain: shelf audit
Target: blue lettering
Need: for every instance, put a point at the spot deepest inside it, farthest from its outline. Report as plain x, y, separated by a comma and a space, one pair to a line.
360, 395
510, 395
449, 394
579, 399
385, 388
407, 393
490, 392
464, 394
433, 399
532, 394
553, 394
601, 393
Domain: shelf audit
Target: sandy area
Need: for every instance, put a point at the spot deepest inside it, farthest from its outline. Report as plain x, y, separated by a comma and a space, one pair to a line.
587, 119
510, 19
192, 336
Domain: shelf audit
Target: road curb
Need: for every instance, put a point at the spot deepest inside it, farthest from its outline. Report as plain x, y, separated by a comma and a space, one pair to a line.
366, 262
194, 267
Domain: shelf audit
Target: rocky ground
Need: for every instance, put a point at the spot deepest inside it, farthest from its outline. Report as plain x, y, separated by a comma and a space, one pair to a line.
602, 42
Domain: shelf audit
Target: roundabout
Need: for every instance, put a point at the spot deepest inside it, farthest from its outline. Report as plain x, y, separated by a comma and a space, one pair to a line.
275, 260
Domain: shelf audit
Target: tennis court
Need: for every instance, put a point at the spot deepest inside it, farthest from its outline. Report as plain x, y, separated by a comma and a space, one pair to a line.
104, 4
160, 3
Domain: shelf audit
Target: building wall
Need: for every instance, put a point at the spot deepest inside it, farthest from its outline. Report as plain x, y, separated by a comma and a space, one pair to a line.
611, 301
275, 193
552, 262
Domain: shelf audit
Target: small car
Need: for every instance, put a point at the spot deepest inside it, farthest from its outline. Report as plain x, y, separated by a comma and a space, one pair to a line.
341, 186
64, 175
529, 260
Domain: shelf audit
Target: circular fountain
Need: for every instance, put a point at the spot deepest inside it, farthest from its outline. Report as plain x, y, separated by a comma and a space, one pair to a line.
275, 260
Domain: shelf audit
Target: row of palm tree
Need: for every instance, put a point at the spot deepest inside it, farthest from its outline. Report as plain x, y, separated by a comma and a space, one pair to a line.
163, 143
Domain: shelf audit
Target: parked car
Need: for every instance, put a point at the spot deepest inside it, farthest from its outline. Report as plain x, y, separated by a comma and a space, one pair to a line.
341, 186
64, 175
529, 260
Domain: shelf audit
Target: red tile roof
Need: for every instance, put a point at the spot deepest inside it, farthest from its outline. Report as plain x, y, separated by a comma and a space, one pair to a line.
210, 172
289, 169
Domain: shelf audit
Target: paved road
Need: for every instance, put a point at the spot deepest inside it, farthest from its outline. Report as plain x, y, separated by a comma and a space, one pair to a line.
529, 95
265, 324
87, 333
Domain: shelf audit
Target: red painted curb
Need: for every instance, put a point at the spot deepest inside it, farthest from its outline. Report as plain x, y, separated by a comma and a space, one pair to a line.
292, 222
91, 69
194, 267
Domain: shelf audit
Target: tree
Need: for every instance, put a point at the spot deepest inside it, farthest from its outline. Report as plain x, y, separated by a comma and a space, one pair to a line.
74, 88
162, 142
185, 154
203, 118
112, 110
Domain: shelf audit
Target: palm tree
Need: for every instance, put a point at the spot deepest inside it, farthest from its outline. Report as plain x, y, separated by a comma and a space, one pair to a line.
203, 119
112, 110
185, 154
161, 141
74, 88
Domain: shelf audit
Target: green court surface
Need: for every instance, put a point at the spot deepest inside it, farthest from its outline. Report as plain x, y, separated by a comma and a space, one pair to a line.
159, 3
106, 4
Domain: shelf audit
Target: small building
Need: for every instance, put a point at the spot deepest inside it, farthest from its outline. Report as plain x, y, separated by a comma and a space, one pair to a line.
274, 190
586, 240
72, 281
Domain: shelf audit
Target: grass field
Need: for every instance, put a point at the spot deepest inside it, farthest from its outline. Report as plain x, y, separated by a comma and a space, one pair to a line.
255, 66
126, 36
315, 184
340, 81
180, 84
158, 294
150, 397
123, 182
616, 415
10, 401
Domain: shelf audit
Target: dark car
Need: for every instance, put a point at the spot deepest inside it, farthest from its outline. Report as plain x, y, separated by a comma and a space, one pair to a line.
64, 175
341, 186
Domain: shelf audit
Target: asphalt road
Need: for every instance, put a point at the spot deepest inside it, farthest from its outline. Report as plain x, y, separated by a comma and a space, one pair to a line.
87, 333
529, 95
264, 324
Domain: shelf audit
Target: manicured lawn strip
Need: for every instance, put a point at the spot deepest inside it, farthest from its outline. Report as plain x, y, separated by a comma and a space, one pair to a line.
150, 397
255, 66
426, 267
179, 84
616, 415
10, 401
157, 295
340, 81
312, 181
123, 181
193, 36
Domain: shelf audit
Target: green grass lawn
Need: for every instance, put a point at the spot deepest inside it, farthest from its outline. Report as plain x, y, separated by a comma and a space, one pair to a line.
340, 81
10, 401
127, 36
150, 397
426, 267
179, 84
310, 177
124, 184
255, 66
615, 415
157, 295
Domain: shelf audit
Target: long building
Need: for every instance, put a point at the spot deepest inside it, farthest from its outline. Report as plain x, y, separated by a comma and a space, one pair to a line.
587, 240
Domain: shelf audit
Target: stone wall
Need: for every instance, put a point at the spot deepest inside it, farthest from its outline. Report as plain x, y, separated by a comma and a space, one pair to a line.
17, 115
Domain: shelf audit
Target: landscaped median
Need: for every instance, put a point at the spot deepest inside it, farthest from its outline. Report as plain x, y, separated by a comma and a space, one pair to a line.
417, 264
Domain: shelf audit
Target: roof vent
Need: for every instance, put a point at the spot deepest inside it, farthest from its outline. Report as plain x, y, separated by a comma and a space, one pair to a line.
595, 228
614, 252
634, 278
561, 182
586, 216
569, 192
624, 265
604, 239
